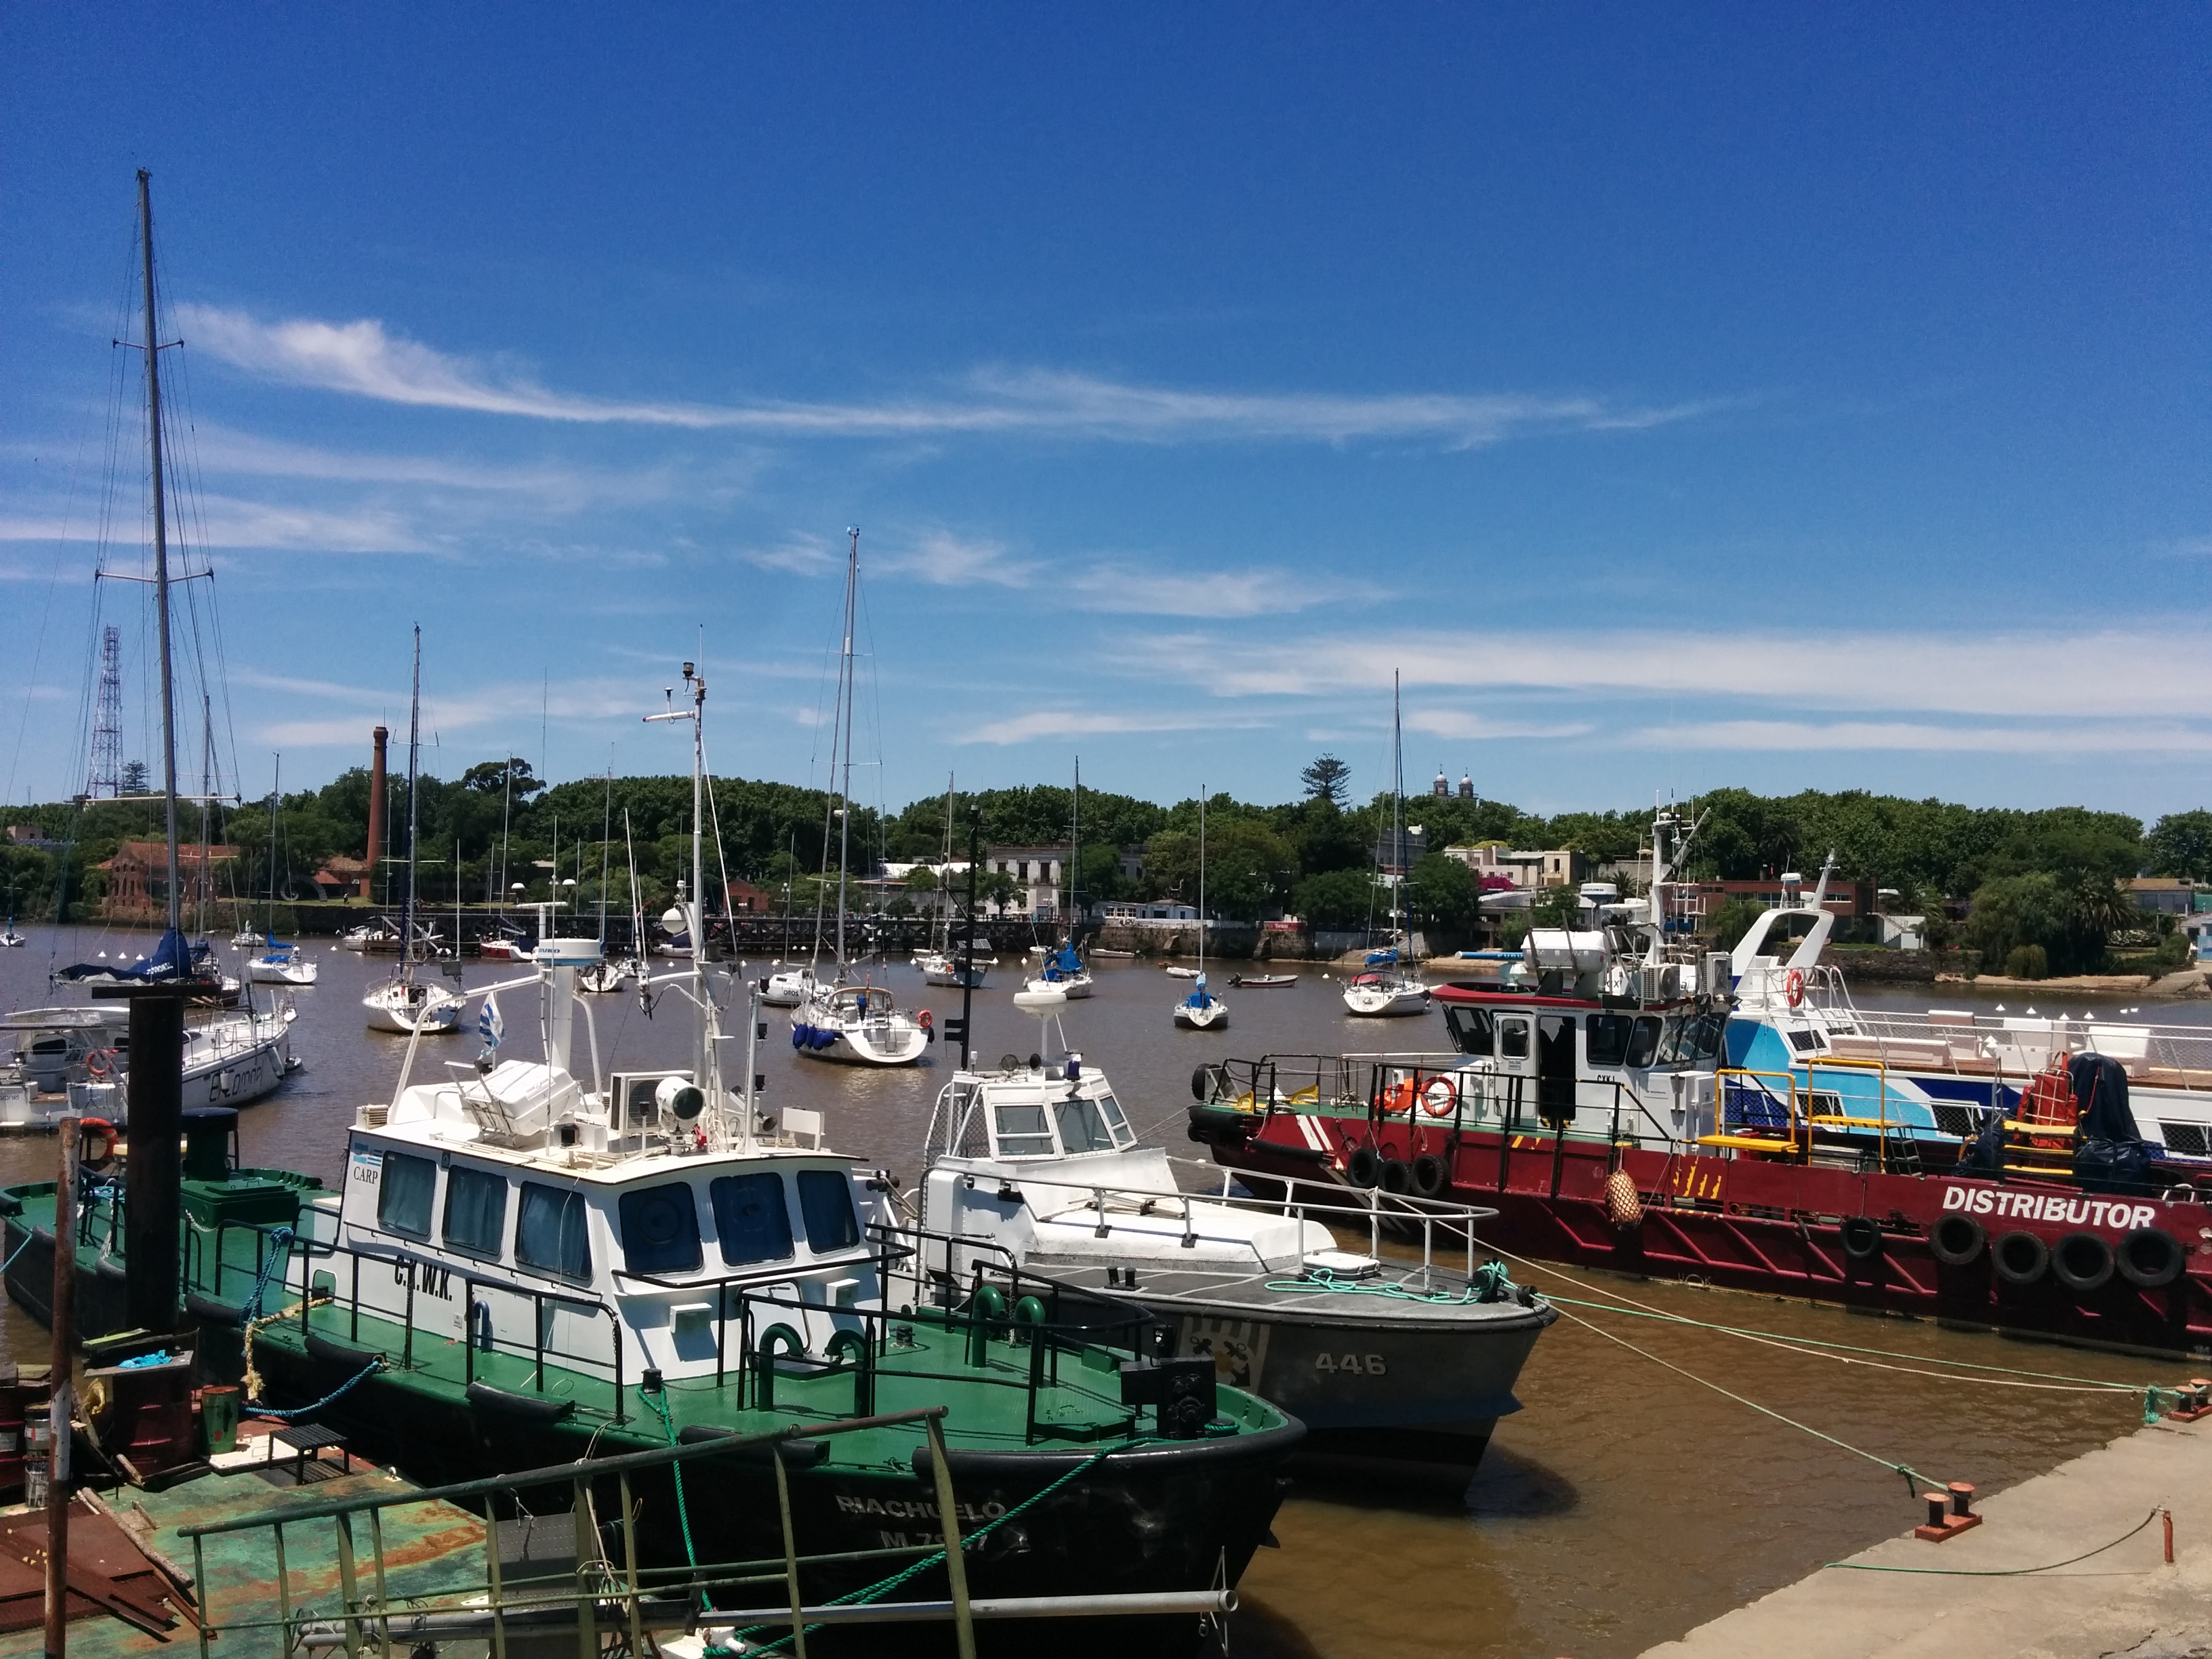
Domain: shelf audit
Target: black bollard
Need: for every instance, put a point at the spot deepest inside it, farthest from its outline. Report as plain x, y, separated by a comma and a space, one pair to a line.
152, 1174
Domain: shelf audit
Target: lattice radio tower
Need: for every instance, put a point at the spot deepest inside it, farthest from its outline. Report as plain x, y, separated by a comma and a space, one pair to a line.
107, 720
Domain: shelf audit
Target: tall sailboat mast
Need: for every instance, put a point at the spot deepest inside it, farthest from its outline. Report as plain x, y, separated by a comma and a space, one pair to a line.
1397, 818
414, 743
845, 695
161, 546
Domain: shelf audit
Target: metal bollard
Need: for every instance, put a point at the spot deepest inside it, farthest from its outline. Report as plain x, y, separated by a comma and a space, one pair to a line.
1962, 1498
1937, 1504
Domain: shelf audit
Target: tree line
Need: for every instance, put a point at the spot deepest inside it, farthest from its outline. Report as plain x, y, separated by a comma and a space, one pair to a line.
2050, 879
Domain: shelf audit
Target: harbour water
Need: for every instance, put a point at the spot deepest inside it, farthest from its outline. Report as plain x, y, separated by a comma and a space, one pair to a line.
1624, 1504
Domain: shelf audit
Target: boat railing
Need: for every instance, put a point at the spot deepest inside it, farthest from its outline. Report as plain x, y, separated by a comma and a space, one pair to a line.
2009, 1048
607, 1588
206, 1263
1756, 1111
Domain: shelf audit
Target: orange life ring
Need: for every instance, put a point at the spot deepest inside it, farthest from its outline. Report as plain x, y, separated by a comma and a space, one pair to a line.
100, 1062
95, 1143
925, 1019
1398, 1099
1440, 1099
1793, 988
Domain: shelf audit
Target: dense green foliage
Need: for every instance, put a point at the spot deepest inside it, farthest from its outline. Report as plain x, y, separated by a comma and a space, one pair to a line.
2047, 879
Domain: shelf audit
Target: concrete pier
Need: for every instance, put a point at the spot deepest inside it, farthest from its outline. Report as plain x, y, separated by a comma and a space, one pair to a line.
2124, 1601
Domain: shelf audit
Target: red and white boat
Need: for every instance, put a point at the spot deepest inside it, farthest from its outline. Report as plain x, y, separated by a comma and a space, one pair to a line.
1614, 1106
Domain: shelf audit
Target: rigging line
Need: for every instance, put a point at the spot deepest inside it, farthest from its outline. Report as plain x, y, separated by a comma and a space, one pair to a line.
1811, 1348
1910, 1473
1648, 1311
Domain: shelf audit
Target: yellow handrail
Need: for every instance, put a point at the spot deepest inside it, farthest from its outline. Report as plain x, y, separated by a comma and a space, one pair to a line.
1789, 1103
1881, 1068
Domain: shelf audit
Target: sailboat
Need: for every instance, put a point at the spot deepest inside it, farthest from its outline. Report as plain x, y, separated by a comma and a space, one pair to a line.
1064, 969
233, 1057
1202, 1010
281, 964
1384, 989
405, 1004
940, 963
858, 1024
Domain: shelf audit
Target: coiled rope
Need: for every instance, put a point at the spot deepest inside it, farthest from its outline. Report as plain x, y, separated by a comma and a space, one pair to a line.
1489, 1284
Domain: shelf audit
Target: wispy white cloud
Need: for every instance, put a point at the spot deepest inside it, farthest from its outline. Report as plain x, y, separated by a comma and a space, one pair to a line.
945, 560
1905, 736
362, 358
1075, 723
1134, 590
226, 521
797, 555
2113, 673
1457, 723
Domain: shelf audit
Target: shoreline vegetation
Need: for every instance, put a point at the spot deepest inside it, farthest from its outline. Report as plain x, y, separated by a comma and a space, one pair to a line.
2043, 895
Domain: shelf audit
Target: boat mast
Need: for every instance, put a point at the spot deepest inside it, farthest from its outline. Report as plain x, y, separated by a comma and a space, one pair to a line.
160, 544
414, 741
207, 805
1397, 822
1202, 881
275, 795
698, 918
945, 872
845, 695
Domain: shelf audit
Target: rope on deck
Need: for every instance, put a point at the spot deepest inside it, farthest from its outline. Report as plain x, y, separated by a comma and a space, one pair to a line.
1489, 1284
375, 1365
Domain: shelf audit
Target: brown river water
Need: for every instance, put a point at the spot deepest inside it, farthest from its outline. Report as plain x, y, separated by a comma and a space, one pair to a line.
1624, 1504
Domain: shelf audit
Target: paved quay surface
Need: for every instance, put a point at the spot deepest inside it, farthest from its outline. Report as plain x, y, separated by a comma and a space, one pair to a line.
2124, 1601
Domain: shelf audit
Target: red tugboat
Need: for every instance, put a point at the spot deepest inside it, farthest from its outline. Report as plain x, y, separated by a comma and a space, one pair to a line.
1619, 1109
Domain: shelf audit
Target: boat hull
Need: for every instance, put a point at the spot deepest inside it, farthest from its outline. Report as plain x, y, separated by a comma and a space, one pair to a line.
1861, 1239
1385, 1005
1207, 1017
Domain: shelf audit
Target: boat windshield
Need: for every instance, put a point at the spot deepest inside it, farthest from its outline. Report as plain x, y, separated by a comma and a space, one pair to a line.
1081, 1127
1115, 1122
1020, 1129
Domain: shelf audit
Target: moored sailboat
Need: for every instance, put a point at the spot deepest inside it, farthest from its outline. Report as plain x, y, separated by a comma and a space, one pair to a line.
405, 1005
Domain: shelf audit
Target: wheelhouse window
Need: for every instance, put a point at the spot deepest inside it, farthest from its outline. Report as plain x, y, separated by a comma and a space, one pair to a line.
1606, 1039
1116, 1124
1081, 1129
476, 1211
404, 1195
1474, 1030
1022, 1130
549, 1233
661, 1229
1696, 1038
752, 1218
1513, 1037
825, 1203
1644, 1046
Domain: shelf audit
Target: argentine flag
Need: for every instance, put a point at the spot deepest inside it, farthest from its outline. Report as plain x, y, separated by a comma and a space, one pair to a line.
489, 1025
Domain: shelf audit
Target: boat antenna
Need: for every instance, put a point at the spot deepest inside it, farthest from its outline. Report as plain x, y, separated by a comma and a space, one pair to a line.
606, 846
692, 911
161, 546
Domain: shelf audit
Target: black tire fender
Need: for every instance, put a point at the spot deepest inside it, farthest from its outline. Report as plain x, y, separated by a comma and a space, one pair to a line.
1397, 1176
1958, 1241
1430, 1176
2083, 1262
1364, 1167
1862, 1237
2021, 1258
2150, 1257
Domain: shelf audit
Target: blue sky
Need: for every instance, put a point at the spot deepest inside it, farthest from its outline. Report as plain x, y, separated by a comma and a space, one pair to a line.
1678, 397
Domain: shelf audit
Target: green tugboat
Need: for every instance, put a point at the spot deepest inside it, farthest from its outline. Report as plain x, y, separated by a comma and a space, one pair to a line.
519, 1269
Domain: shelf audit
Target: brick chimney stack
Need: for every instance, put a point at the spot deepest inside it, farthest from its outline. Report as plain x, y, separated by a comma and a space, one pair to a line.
376, 792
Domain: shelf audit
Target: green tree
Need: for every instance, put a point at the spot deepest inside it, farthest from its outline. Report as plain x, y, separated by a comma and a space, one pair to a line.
1556, 906
1328, 779
1732, 919
1339, 900
1441, 894
2180, 844
1248, 867
1327, 840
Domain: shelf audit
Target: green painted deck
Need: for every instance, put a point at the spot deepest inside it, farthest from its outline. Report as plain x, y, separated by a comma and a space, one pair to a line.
429, 1549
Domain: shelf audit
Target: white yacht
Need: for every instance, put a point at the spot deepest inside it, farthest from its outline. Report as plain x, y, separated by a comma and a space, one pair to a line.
1202, 1010
404, 1005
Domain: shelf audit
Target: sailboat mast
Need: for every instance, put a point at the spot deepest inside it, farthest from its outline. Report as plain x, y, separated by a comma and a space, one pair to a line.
207, 805
160, 542
276, 797
1202, 879
1397, 815
1075, 850
698, 919
845, 695
414, 742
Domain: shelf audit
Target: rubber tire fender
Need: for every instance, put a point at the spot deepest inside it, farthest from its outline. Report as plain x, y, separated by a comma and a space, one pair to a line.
1430, 1176
1364, 1167
2150, 1257
2021, 1258
1958, 1241
1397, 1176
2083, 1262
1201, 1080
1862, 1237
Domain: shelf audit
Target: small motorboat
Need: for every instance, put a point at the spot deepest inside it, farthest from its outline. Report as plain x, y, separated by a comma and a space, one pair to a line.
282, 964
1178, 971
1261, 981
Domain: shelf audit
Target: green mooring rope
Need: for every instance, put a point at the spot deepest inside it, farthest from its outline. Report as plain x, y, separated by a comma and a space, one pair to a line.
1997, 1572
1489, 1284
